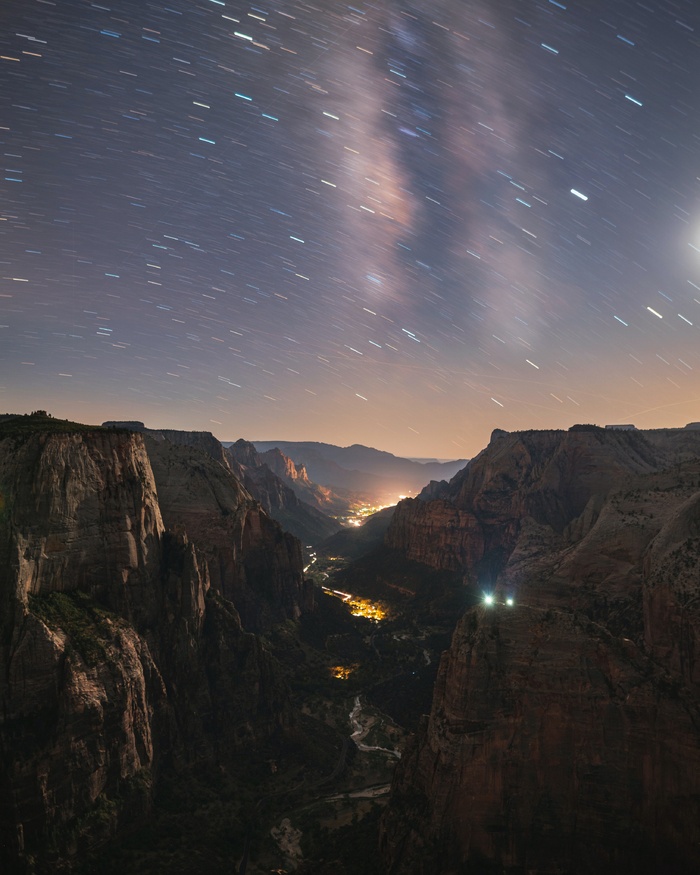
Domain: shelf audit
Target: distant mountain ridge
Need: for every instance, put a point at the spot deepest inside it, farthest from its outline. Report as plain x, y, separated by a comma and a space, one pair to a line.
362, 469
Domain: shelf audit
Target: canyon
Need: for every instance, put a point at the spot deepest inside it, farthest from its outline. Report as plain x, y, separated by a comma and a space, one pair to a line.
160, 640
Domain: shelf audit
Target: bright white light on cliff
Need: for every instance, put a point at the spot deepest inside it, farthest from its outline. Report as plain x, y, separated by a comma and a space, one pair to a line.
509, 602
488, 599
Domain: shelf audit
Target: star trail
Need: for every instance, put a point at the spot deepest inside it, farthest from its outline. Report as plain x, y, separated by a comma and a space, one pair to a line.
400, 224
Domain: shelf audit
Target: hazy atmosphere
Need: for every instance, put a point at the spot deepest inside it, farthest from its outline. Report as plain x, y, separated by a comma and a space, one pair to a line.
400, 224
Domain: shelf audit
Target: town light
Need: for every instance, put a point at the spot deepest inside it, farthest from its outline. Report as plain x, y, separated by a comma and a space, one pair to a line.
488, 599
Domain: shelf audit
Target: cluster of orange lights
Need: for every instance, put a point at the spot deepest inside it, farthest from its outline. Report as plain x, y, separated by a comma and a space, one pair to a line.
359, 607
366, 510
365, 608
342, 672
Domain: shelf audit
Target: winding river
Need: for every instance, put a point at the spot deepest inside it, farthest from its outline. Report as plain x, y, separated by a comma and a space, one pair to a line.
361, 729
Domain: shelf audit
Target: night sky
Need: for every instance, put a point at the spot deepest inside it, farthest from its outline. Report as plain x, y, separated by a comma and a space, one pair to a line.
400, 224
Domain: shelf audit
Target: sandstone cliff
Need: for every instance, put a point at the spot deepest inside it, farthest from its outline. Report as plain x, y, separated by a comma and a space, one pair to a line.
121, 653
569, 721
282, 488
251, 560
552, 747
284, 467
295, 475
546, 476
203, 441
284, 491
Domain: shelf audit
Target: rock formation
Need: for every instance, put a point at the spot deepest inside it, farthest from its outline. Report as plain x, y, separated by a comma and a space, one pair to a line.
564, 731
284, 491
251, 560
552, 747
282, 488
294, 474
122, 652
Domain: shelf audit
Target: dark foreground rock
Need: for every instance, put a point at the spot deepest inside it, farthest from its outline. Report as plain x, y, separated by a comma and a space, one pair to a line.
551, 747
564, 734
123, 656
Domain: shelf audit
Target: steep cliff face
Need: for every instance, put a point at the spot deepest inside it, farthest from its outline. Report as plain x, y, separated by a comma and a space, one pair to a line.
85, 718
563, 733
284, 491
118, 657
551, 747
282, 488
672, 592
436, 533
546, 476
251, 560
284, 467
203, 441
295, 475
80, 512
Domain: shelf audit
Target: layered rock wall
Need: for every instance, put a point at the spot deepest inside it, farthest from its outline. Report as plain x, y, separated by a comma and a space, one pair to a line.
121, 653
564, 731
284, 491
80, 511
547, 476
552, 747
251, 560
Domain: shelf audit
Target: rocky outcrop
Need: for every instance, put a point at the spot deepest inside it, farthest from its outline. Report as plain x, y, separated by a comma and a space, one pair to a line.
80, 512
285, 468
672, 592
563, 736
251, 560
203, 441
547, 476
284, 491
282, 488
121, 655
552, 747
85, 718
295, 475
436, 533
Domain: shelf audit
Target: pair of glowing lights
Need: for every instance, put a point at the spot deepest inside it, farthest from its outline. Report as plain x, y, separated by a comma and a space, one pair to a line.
490, 600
